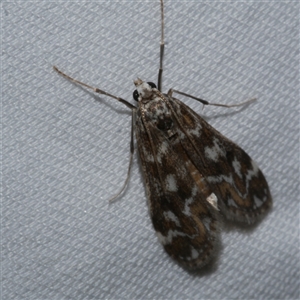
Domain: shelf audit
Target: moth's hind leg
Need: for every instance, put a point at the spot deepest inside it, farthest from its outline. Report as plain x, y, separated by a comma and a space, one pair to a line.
133, 109
131, 156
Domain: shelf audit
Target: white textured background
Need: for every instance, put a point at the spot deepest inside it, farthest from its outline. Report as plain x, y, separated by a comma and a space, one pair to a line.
65, 150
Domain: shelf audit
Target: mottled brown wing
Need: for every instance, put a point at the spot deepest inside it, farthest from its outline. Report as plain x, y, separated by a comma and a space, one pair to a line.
183, 218
240, 186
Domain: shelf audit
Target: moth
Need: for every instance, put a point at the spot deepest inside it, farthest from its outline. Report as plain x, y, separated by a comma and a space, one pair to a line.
193, 174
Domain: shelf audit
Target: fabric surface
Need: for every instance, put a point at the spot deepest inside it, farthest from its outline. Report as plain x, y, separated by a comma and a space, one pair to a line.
66, 150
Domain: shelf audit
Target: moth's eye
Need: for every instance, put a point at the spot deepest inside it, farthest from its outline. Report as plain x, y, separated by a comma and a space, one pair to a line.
135, 95
153, 85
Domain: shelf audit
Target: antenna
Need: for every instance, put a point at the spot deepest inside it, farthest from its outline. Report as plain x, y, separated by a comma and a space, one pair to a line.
162, 46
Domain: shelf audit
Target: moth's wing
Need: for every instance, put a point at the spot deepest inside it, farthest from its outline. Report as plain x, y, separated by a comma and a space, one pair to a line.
183, 218
238, 183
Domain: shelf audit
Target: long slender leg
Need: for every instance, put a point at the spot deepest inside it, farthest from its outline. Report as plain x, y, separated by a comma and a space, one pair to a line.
162, 47
133, 110
204, 102
131, 156
96, 90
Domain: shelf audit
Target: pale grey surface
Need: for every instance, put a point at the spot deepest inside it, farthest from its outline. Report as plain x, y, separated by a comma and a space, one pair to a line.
66, 150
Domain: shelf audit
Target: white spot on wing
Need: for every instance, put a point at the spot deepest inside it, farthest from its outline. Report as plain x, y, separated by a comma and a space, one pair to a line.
258, 202
237, 167
168, 239
220, 178
163, 149
171, 216
189, 201
213, 200
195, 253
187, 204
196, 131
171, 183
149, 157
253, 172
214, 152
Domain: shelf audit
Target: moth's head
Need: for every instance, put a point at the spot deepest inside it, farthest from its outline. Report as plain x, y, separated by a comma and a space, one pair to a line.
144, 90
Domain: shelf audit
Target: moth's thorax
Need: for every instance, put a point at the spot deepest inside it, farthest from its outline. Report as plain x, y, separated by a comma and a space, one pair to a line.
155, 109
